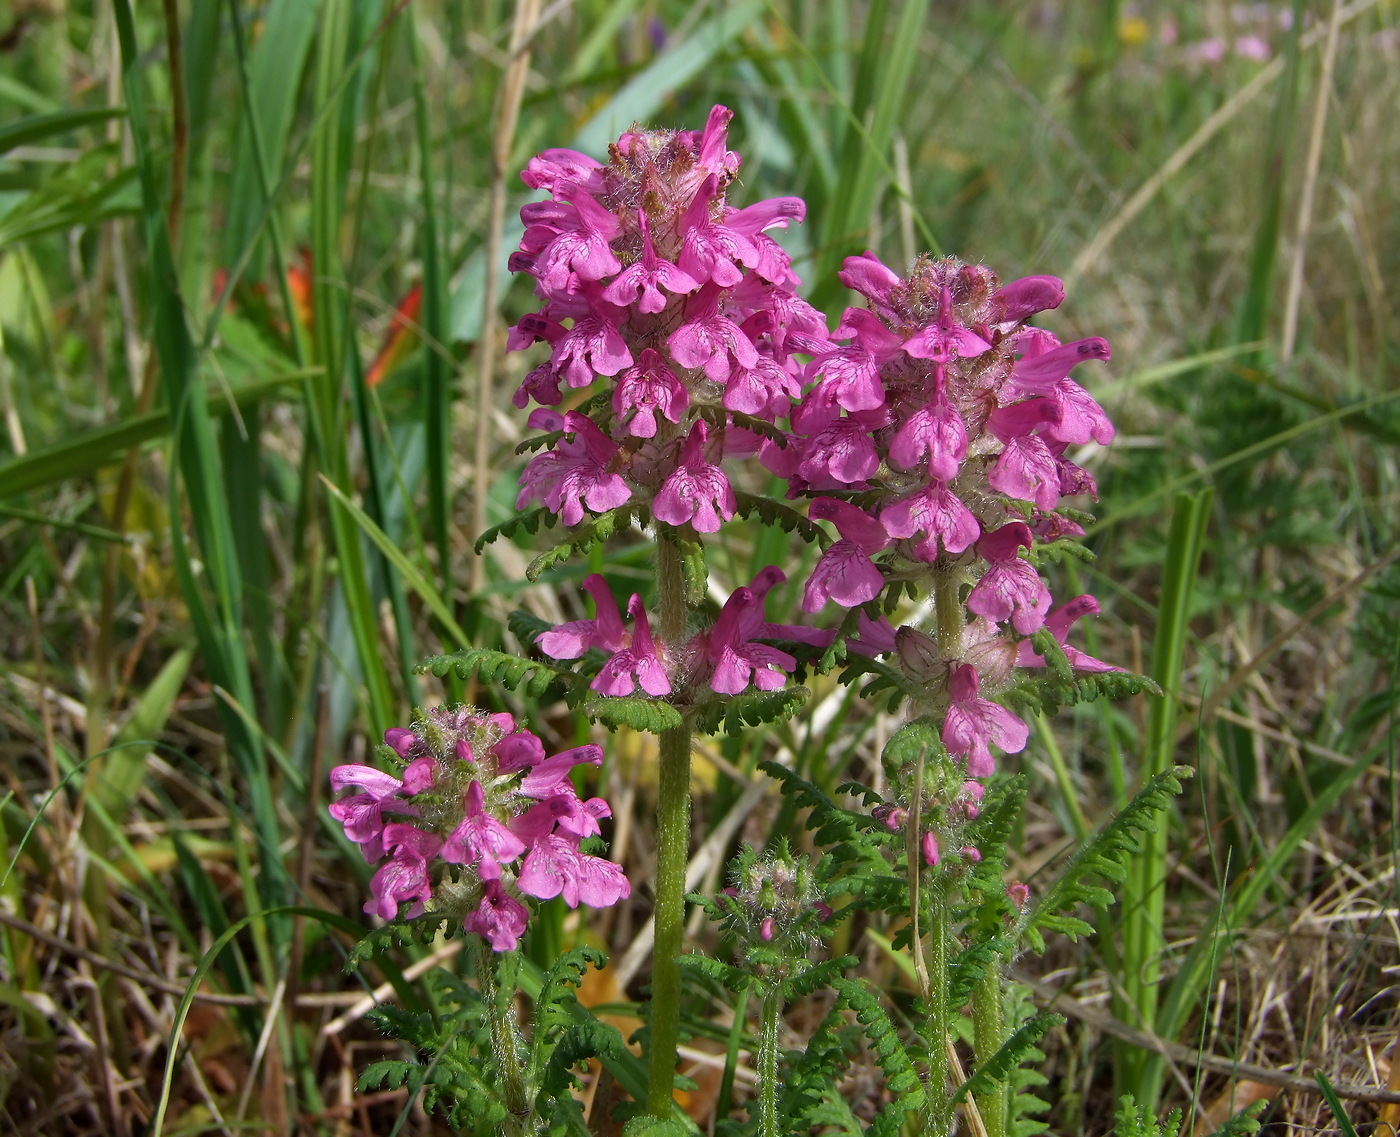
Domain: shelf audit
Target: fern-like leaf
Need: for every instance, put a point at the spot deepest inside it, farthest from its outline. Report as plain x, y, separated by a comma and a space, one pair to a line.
1009, 1055
776, 514
399, 933
721, 972
583, 537
1104, 856
650, 715
529, 522
510, 671
737, 713
901, 1078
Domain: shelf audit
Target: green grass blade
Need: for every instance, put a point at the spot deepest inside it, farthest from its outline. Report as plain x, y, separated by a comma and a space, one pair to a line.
1144, 891
37, 128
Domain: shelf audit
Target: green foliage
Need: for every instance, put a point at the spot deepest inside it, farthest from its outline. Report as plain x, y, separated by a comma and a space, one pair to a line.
886, 681
735, 714
635, 711
1138, 1121
901, 1078
912, 743
1046, 693
422, 929
583, 537
719, 971
1105, 856
527, 522
510, 671
1017, 1049
778, 515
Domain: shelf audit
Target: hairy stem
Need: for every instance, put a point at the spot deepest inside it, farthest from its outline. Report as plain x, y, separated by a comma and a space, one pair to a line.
988, 1034
768, 1065
939, 1106
505, 1042
672, 853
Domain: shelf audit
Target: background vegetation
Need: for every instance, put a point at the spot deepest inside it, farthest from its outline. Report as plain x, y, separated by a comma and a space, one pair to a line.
209, 215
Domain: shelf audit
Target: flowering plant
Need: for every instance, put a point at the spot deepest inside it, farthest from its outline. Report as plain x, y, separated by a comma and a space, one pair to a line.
933, 431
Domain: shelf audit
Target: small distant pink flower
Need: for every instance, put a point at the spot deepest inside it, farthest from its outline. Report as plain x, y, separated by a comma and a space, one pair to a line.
928, 845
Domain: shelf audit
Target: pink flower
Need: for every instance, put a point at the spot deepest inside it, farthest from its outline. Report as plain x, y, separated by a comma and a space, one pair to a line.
937, 511
555, 867
575, 474
695, 491
362, 814
736, 659
935, 431
973, 724
635, 665
405, 875
572, 640
481, 838
582, 247
1011, 589
646, 390
1059, 622
710, 340
500, 919
845, 573
648, 276
946, 339
928, 845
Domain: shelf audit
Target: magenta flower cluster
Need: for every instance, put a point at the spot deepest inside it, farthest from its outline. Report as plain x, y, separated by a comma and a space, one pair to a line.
948, 419
478, 819
682, 303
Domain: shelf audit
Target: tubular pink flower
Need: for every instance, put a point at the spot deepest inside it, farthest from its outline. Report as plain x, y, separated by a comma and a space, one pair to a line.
710, 340
635, 665
1059, 622
572, 640
936, 511
695, 491
973, 725
362, 814
575, 474
1025, 297
1011, 589
405, 875
647, 277
845, 573
555, 867
480, 837
500, 919
736, 659
646, 390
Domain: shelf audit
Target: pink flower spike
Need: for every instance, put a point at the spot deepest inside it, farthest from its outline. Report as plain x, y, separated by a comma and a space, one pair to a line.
646, 390
973, 724
1011, 589
499, 919
696, 490
636, 664
647, 277
572, 640
575, 474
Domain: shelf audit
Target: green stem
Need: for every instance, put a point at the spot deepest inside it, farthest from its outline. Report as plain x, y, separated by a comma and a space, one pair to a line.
950, 614
505, 1041
939, 1105
988, 1034
768, 1065
672, 853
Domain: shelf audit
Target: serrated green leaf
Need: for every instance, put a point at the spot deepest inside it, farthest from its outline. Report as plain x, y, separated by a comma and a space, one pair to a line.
529, 522
652, 716
736, 714
775, 513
